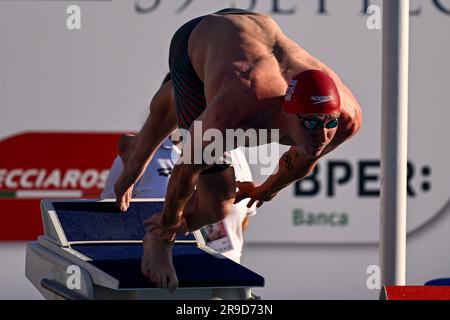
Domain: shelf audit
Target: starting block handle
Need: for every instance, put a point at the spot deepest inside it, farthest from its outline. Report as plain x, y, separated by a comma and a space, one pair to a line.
61, 291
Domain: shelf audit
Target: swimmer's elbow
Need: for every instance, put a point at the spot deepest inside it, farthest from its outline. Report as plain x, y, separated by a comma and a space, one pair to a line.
352, 124
356, 123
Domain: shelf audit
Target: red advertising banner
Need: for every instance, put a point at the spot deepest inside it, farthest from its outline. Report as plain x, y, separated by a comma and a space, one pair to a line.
48, 165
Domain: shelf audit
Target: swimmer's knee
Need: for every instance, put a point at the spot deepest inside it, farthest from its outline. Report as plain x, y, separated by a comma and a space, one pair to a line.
203, 212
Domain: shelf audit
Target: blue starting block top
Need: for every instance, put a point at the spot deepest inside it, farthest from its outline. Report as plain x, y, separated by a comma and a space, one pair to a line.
102, 221
111, 240
195, 267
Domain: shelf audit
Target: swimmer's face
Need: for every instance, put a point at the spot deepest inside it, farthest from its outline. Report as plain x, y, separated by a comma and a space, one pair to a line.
317, 131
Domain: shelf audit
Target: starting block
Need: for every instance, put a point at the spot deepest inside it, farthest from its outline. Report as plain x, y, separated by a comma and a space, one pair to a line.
91, 250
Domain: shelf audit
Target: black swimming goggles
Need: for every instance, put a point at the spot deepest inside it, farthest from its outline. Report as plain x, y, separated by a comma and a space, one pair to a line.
314, 124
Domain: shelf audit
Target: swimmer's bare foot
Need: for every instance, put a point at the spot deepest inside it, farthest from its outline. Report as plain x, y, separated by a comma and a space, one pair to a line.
156, 263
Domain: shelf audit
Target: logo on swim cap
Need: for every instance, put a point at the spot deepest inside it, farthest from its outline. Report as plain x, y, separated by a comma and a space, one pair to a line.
321, 99
312, 91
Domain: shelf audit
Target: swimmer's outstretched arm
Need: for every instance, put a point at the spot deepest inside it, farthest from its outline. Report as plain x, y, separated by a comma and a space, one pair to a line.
185, 173
179, 190
160, 123
291, 167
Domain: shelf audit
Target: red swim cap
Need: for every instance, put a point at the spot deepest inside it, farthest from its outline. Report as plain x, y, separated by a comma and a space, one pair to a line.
312, 91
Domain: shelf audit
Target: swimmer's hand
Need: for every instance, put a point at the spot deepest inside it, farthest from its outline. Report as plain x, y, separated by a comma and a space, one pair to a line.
123, 187
257, 193
164, 231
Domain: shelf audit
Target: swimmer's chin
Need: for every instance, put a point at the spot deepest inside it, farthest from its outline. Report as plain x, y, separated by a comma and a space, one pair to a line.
313, 153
